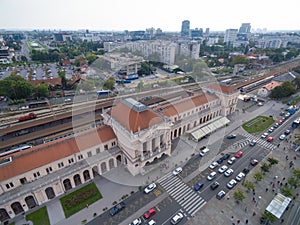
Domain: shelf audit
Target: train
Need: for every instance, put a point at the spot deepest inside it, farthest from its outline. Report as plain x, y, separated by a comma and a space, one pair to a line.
104, 93
14, 150
30, 116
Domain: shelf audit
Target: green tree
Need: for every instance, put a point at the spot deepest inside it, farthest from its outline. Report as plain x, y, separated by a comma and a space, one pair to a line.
91, 58
16, 87
239, 195
109, 83
249, 185
287, 192
62, 75
269, 216
238, 59
272, 161
284, 90
293, 181
265, 167
296, 173
258, 176
41, 91
140, 86
23, 58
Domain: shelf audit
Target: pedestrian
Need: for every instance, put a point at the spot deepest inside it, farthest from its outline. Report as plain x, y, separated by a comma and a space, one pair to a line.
283, 178
254, 214
238, 221
232, 217
247, 221
245, 209
228, 197
287, 157
267, 189
282, 220
87, 205
253, 199
295, 157
273, 185
280, 183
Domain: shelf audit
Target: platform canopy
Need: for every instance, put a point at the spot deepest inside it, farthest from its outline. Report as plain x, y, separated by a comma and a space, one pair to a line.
278, 205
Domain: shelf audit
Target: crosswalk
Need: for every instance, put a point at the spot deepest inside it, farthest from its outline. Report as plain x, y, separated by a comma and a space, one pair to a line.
260, 141
187, 198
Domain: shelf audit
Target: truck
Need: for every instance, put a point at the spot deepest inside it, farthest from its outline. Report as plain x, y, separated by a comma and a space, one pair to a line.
30, 116
296, 123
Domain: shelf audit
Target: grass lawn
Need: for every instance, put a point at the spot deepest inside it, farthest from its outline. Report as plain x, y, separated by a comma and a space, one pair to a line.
77, 200
39, 217
259, 123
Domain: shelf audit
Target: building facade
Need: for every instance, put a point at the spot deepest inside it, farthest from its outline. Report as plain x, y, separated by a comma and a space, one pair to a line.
185, 28
230, 36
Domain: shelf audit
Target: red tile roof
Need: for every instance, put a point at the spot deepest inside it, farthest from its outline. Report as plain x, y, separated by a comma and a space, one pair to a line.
133, 120
270, 86
186, 104
223, 88
52, 82
44, 154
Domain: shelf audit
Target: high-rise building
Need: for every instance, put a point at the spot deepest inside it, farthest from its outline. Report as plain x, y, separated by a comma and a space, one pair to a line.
245, 28
185, 28
207, 31
230, 36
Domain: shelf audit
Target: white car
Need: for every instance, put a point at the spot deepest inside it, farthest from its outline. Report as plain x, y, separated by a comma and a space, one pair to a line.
177, 171
151, 222
264, 135
211, 176
137, 221
150, 188
231, 183
213, 165
240, 176
271, 129
177, 218
282, 137
231, 160
223, 168
228, 172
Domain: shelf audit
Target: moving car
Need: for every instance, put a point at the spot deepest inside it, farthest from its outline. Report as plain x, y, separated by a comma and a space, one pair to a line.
149, 213
231, 136
203, 152
254, 162
223, 168
240, 176
117, 208
177, 218
177, 171
137, 221
282, 137
252, 143
211, 176
198, 186
260, 104
270, 139
231, 183
221, 194
214, 185
150, 188
239, 154
228, 172
264, 135
231, 160
213, 165
287, 132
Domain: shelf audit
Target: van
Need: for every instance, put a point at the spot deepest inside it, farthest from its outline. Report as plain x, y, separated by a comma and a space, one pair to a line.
203, 152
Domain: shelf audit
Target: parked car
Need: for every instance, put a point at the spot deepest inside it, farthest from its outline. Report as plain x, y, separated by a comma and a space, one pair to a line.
223, 168
149, 213
280, 122
264, 135
177, 218
231, 183
203, 152
239, 154
220, 160
271, 129
213, 165
260, 104
150, 188
240, 176
151, 222
221, 194
231, 160
117, 208
276, 125
270, 139
228, 172
214, 185
226, 156
177, 171
198, 186
246, 170
287, 132
137, 221
211, 176
231, 136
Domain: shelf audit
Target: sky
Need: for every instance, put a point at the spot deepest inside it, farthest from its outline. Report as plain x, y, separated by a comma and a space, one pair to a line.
120, 15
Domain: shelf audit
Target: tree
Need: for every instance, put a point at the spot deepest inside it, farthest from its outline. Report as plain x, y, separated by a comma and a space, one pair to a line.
284, 90
287, 192
23, 58
140, 86
62, 75
239, 195
265, 167
91, 58
258, 176
296, 173
109, 83
293, 181
272, 161
41, 91
269, 216
238, 59
249, 185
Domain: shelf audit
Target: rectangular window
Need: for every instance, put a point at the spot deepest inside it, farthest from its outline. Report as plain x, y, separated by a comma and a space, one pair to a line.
97, 150
79, 157
9, 185
60, 165
23, 180
71, 160
49, 169
37, 174
105, 147
113, 143
89, 154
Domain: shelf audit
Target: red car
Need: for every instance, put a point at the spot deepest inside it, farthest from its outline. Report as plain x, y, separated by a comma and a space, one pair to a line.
238, 154
149, 213
270, 139
280, 122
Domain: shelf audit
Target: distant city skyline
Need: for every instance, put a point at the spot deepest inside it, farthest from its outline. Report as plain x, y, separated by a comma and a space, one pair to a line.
118, 15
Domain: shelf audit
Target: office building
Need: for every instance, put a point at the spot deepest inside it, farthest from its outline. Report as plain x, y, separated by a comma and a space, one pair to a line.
230, 36
185, 28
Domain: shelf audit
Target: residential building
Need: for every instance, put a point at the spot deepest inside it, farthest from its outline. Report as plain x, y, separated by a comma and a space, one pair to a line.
245, 28
265, 90
230, 36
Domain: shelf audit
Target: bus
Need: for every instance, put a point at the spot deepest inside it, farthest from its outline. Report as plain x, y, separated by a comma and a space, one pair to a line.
104, 93
14, 150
